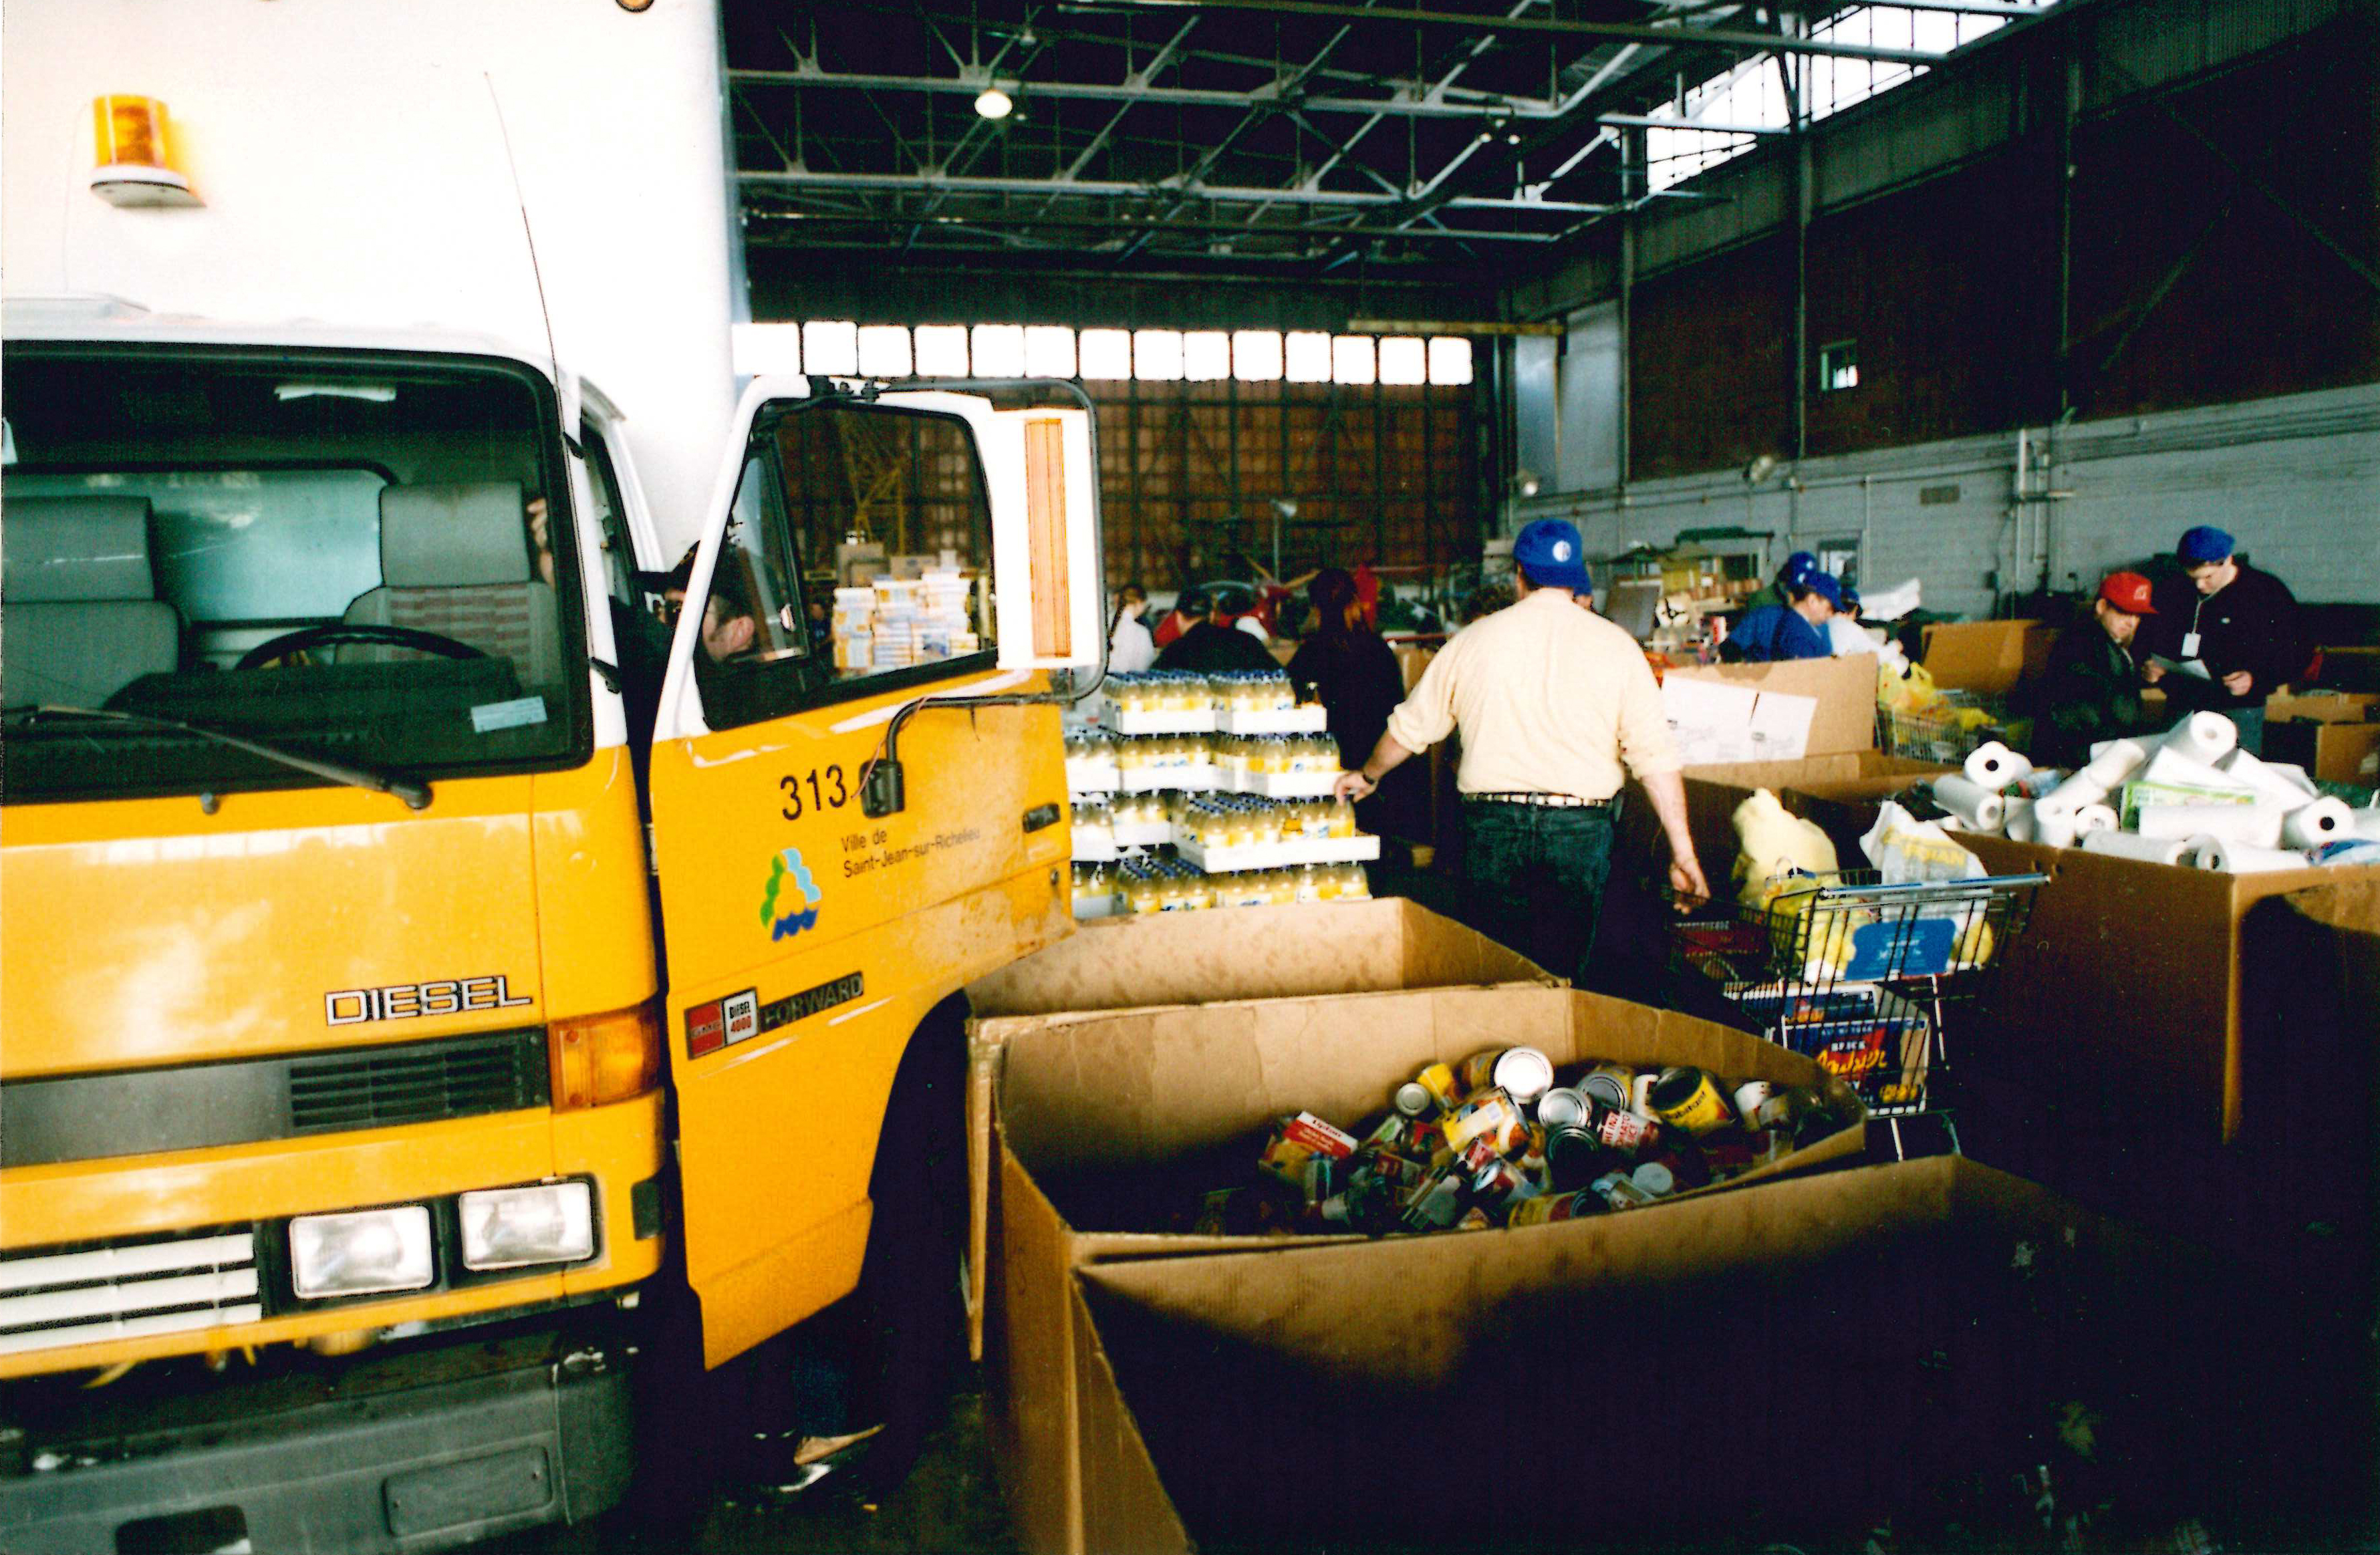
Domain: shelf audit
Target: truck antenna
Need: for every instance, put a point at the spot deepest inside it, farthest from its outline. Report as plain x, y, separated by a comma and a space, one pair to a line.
529, 233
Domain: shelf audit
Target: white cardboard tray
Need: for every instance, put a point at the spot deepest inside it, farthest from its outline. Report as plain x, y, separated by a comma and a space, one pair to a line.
1280, 856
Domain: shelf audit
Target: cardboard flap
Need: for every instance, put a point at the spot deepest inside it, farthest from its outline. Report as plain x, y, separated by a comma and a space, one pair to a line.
1126, 1509
1289, 1397
1987, 656
1288, 952
1845, 689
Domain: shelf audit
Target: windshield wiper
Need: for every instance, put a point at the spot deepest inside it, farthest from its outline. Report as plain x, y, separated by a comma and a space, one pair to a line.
415, 794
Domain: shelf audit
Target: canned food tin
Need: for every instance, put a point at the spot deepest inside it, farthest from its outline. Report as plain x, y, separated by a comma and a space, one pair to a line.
1655, 1179
1689, 1099
1550, 1208
1438, 1080
1620, 1074
1477, 1073
1574, 1155
1490, 1114
1497, 1183
1415, 1100
1605, 1089
1750, 1094
1563, 1108
1619, 1191
1524, 1074
1624, 1132
1439, 1205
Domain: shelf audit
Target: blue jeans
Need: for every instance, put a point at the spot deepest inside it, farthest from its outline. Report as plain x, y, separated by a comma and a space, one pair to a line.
1535, 876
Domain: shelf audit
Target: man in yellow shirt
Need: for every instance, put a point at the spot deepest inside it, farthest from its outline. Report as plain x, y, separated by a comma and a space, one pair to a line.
1552, 701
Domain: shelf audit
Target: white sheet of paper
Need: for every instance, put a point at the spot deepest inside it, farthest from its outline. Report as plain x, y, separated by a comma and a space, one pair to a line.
1781, 725
2182, 667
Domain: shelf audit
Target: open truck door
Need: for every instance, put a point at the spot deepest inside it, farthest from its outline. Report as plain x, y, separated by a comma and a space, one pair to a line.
816, 914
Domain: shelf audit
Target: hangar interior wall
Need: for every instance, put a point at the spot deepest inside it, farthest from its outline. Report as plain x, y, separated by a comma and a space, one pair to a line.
2216, 260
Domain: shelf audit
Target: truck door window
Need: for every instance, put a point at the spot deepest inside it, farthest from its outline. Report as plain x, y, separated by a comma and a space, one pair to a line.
610, 516
883, 541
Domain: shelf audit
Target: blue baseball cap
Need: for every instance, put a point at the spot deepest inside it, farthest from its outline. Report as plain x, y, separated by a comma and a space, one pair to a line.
2203, 544
1822, 584
1551, 555
1798, 567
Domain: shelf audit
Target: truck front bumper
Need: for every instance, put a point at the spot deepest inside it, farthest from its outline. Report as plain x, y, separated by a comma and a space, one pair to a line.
408, 1452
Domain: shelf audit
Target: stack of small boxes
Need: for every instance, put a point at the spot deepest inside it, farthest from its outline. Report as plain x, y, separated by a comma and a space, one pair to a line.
893, 623
854, 627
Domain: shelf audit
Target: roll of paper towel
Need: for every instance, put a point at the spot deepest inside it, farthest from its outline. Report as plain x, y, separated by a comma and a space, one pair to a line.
2075, 793
2256, 825
1993, 766
2111, 763
2094, 817
2204, 736
2327, 820
2016, 820
2183, 770
2149, 850
1977, 807
2053, 827
2271, 782
2238, 858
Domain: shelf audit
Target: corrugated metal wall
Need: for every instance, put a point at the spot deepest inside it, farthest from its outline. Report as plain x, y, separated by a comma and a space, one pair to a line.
1190, 473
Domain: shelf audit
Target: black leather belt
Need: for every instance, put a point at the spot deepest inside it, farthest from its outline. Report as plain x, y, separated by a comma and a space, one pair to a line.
1547, 801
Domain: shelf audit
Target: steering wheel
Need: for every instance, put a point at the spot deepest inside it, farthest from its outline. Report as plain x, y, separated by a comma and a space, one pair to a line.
307, 637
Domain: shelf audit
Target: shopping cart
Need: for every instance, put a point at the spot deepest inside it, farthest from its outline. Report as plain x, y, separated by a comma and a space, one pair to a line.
1945, 732
1859, 975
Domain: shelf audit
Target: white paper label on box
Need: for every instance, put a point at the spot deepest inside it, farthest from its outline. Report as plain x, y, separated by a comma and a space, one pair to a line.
1713, 722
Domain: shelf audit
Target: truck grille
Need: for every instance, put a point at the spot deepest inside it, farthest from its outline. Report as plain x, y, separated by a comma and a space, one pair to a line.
49, 1300
421, 1083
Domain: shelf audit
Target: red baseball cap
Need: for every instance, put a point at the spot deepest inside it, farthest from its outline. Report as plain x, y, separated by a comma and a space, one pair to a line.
2129, 592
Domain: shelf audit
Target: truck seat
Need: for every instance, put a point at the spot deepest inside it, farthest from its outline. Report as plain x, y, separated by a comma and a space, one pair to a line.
454, 560
83, 620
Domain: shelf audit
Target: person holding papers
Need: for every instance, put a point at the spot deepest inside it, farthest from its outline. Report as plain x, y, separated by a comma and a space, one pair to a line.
1553, 701
2226, 639
2091, 690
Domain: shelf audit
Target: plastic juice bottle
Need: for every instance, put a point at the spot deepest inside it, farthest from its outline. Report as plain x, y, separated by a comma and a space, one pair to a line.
1309, 884
1342, 818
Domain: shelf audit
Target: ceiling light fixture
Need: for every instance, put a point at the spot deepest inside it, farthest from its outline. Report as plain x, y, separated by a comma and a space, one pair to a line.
994, 104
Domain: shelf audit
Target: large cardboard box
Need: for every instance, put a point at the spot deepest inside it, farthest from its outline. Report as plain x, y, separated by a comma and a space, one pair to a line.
2334, 736
1991, 656
1844, 688
1797, 1363
1096, 1116
1165, 959
2124, 990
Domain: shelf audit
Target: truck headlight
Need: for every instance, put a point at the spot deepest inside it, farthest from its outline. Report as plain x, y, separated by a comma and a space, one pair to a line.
361, 1252
547, 1223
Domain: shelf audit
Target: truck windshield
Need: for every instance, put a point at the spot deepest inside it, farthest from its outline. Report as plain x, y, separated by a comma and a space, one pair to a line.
348, 556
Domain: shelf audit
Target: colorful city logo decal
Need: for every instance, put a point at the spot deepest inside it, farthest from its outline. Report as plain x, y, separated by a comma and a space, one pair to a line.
791, 902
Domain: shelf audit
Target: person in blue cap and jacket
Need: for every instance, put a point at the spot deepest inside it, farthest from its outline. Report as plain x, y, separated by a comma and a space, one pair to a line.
2238, 623
1779, 591
1554, 701
1796, 629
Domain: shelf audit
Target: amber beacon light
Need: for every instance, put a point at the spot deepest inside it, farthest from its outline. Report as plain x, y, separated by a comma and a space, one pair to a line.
134, 168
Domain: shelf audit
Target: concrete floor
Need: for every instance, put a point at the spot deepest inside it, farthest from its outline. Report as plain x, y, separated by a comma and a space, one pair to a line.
951, 1504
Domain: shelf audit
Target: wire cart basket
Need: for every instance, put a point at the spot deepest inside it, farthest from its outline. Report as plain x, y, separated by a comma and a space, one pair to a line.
1857, 974
1945, 732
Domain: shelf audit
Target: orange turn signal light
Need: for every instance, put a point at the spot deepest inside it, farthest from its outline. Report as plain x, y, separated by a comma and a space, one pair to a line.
600, 1059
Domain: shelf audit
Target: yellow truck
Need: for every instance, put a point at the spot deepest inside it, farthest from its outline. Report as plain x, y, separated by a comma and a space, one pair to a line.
411, 1073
